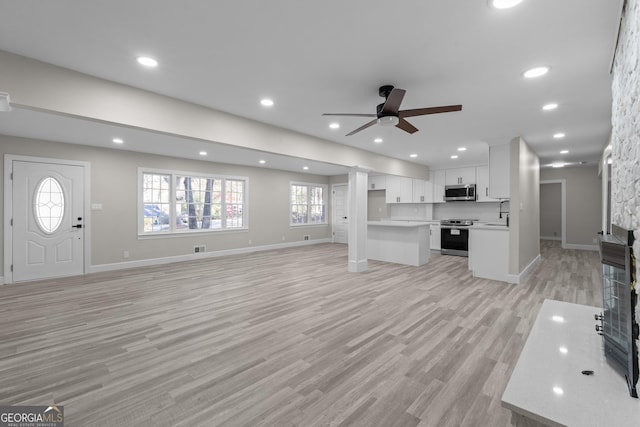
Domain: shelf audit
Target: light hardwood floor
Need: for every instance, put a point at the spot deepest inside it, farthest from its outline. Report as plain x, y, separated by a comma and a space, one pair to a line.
279, 338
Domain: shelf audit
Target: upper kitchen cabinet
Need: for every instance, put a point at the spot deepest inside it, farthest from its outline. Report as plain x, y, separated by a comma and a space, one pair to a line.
377, 182
422, 191
438, 181
399, 189
460, 176
499, 171
482, 185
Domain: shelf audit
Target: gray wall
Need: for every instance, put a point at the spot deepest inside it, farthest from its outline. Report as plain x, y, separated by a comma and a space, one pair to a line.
524, 232
584, 201
376, 205
114, 185
550, 210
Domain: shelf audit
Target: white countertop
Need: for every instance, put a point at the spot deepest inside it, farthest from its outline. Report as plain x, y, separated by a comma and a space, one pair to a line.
547, 384
406, 224
489, 226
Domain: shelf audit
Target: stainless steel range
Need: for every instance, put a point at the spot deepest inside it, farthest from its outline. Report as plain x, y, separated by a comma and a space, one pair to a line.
454, 234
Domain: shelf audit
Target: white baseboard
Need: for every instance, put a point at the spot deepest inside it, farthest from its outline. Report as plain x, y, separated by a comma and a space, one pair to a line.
550, 238
190, 257
581, 247
519, 278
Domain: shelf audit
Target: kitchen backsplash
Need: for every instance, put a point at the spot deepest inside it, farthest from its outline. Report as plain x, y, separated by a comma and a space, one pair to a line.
487, 211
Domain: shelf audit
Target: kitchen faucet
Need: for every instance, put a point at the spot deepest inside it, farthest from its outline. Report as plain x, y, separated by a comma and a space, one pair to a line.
503, 212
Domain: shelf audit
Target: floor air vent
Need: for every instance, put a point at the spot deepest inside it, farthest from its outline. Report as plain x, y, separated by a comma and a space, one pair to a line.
199, 249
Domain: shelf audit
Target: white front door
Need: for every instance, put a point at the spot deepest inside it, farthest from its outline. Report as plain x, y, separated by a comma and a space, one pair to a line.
340, 213
48, 220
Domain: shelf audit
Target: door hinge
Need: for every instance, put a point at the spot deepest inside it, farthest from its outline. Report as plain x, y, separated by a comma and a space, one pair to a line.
12, 268
11, 222
11, 176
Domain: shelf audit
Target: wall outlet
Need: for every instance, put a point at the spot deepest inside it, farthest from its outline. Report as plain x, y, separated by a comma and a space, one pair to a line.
283, 238
125, 254
199, 249
249, 241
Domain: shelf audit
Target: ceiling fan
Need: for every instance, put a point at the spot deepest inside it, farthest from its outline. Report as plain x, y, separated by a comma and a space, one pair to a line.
389, 113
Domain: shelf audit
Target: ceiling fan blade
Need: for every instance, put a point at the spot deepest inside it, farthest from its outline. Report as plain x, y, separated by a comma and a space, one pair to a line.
392, 104
350, 115
363, 127
430, 110
406, 126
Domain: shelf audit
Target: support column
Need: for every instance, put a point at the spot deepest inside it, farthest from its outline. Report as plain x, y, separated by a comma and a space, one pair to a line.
357, 242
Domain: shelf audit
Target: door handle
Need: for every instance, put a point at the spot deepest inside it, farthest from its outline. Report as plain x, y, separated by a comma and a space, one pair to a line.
344, 217
77, 226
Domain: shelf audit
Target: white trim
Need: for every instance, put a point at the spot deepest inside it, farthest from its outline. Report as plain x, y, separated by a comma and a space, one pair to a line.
582, 247
550, 238
8, 208
358, 266
519, 278
563, 190
190, 257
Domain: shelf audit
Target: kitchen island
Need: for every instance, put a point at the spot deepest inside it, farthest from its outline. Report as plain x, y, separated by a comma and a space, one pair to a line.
401, 242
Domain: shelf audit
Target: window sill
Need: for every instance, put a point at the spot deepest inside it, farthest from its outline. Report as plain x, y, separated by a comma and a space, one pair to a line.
189, 233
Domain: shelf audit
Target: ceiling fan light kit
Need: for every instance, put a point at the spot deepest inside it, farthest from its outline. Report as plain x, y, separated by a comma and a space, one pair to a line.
389, 114
388, 121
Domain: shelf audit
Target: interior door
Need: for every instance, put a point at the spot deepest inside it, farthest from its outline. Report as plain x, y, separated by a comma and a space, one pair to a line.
340, 213
48, 227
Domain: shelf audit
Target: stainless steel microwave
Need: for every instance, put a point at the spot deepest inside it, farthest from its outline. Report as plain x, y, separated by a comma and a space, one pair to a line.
457, 193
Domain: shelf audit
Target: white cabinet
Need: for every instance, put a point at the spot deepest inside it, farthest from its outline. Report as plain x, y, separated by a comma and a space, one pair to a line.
377, 182
435, 236
482, 184
499, 171
420, 190
460, 176
489, 253
437, 180
399, 189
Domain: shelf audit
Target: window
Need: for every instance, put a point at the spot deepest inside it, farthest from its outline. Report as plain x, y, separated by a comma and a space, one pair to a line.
174, 202
49, 205
308, 204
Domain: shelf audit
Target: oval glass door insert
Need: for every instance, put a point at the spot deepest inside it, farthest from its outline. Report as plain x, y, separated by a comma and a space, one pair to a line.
49, 205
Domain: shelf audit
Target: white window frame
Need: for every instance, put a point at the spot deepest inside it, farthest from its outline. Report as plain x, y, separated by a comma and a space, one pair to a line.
308, 203
173, 231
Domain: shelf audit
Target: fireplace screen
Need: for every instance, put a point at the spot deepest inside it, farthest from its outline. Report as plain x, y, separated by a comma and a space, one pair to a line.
619, 327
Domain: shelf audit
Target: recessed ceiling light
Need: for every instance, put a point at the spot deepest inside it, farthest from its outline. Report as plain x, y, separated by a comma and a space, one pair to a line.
564, 350
266, 102
564, 151
462, 148
536, 72
377, 140
559, 135
203, 153
262, 162
455, 156
413, 155
147, 61
305, 168
334, 125
551, 106
557, 165
118, 141
558, 390
504, 4
557, 318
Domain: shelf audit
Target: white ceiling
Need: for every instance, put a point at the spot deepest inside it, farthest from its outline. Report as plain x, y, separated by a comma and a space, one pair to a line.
331, 56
